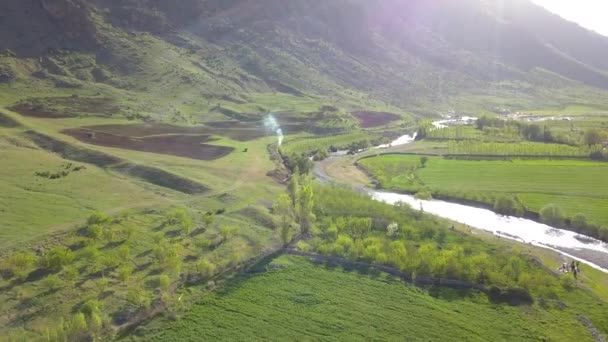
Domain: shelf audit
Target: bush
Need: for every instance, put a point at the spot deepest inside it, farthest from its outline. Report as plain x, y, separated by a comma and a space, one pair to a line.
98, 218
506, 205
424, 195
579, 222
124, 272
205, 268
56, 258
21, 263
164, 282
52, 282
552, 215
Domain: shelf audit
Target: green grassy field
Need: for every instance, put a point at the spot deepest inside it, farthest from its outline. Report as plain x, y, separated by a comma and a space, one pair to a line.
309, 144
577, 186
33, 206
297, 300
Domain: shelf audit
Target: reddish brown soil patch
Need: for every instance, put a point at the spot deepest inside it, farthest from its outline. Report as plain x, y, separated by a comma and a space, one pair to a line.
375, 119
189, 146
28, 109
235, 130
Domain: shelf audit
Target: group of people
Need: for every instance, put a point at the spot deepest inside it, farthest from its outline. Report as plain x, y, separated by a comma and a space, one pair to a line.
570, 267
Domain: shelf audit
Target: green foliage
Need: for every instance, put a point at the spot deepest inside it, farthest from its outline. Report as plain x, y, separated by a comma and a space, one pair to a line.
518, 149
321, 145
164, 282
70, 274
552, 215
506, 205
227, 232
424, 195
594, 137
20, 264
304, 205
139, 297
579, 222
423, 161
52, 282
123, 273
98, 218
206, 268
179, 217
56, 258
78, 324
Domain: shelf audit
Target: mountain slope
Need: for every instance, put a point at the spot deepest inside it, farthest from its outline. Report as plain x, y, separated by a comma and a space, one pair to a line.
420, 56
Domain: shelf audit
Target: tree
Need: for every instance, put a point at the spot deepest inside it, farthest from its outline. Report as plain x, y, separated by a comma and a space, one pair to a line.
593, 136
20, 264
206, 268
139, 297
164, 282
78, 324
423, 130
70, 274
95, 323
506, 205
552, 215
423, 161
284, 208
208, 220
98, 218
56, 258
226, 232
52, 282
179, 217
293, 186
359, 227
124, 272
304, 205
579, 222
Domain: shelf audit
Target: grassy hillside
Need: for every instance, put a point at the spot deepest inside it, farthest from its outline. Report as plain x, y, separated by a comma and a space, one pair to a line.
297, 300
200, 60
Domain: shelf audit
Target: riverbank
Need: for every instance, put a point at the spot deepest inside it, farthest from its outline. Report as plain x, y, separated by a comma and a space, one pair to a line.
338, 169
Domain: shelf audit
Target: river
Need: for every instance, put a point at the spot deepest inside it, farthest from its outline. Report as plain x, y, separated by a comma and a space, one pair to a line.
574, 246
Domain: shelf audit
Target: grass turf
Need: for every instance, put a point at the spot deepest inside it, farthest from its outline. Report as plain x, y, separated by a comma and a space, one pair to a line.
298, 300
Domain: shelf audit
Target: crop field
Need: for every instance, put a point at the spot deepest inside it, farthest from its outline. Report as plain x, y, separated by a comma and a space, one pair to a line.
375, 119
577, 186
518, 149
189, 146
294, 299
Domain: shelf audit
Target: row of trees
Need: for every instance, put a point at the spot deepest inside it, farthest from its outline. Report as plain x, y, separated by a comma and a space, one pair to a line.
295, 208
353, 226
542, 133
469, 147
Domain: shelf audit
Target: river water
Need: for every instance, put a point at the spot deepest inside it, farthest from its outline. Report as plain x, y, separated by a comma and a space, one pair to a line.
584, 249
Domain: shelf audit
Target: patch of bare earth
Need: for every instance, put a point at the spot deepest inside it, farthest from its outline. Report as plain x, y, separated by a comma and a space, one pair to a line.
375, 119
189, 146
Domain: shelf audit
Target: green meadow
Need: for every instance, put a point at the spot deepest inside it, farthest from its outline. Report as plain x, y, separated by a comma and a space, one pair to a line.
294, 299
577, 186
